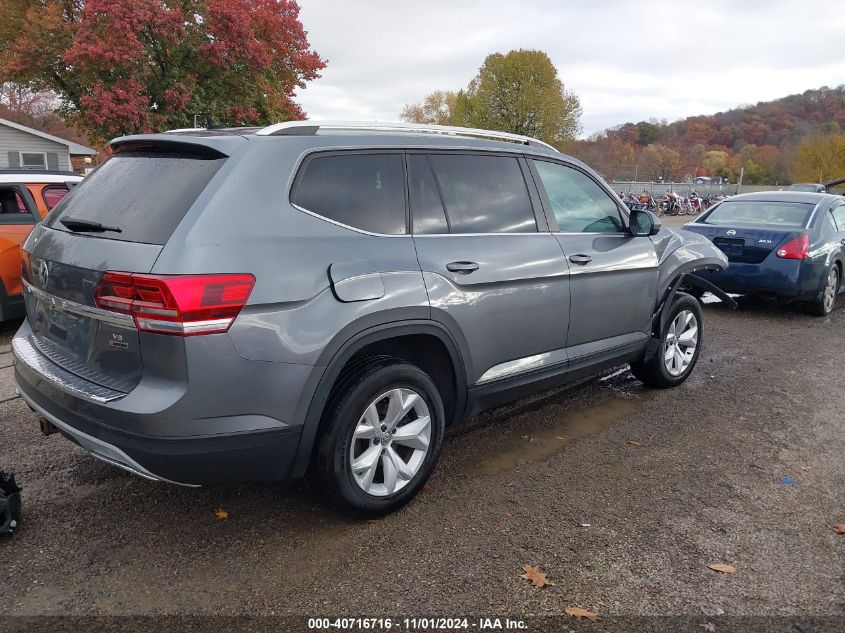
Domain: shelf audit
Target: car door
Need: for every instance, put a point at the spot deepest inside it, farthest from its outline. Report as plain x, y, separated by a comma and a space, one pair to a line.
18, 215
613, 275
494, 274
837, 213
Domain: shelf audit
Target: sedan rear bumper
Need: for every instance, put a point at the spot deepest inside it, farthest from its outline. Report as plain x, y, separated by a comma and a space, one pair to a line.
785, 278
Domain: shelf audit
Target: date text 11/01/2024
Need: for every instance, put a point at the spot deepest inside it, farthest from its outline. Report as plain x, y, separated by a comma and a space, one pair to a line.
416, 624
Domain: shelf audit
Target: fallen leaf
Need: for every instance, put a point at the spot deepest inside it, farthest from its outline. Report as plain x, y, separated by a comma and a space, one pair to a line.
374, 520
633, 442
428, 488
508, 514
578, 612
221, 514
721, 567
839, 528
534, 575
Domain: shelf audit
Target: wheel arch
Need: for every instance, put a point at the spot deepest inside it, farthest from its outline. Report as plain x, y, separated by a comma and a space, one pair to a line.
338, 356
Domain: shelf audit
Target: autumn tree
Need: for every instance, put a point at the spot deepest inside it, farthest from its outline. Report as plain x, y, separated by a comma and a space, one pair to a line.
436, 109
819, 158
519, 92
127, 66
658, 162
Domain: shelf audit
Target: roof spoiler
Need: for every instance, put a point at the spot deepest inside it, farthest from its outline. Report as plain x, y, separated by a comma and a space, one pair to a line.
201, 147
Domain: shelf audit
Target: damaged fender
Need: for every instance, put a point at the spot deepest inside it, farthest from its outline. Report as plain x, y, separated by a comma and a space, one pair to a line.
680, 253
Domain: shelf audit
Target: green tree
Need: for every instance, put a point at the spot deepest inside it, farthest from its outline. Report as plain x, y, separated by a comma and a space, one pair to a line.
519, 92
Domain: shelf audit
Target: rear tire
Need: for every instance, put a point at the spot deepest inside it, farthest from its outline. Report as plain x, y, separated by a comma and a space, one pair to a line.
680, 345
364, 462
827, 299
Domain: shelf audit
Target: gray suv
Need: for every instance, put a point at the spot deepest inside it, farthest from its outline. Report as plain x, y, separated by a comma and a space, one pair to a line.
258, 304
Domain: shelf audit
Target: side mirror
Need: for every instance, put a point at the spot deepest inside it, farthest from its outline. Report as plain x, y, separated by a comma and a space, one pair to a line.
643, 223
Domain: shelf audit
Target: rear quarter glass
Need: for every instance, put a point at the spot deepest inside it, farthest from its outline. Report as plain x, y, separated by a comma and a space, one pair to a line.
145, 195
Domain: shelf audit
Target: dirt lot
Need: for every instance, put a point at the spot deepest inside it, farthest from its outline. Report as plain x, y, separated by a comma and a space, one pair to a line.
622, 496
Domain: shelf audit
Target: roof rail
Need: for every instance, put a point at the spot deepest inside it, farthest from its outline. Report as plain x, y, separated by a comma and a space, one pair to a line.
303, 128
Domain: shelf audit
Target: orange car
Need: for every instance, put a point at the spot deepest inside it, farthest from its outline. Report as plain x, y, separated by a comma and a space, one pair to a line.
26, 196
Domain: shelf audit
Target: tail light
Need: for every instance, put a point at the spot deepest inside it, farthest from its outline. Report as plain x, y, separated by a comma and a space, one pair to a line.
797, 248
184, 305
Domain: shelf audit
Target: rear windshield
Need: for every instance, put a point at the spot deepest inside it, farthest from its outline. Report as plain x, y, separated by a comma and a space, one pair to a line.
760, 213
145, 195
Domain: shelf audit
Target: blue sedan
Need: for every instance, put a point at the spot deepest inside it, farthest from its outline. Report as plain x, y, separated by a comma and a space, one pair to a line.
786, 244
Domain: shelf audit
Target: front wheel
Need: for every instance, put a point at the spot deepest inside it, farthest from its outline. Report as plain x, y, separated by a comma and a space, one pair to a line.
824, 304
680, 344
381, 439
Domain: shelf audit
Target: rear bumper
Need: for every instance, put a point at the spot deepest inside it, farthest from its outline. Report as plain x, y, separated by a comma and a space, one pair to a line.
194, 451
785, 278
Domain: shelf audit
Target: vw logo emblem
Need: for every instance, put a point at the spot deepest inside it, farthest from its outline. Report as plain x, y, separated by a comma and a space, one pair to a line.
731, 232
43, 273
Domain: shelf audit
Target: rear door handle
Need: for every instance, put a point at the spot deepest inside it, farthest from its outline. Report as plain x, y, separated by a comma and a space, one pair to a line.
462, 268
580, 259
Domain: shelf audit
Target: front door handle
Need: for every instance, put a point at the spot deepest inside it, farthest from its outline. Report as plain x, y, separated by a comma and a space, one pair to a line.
580, 259
462, 268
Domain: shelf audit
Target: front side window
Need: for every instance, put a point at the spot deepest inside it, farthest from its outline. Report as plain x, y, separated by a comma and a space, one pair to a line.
484, 194
364, 191
33, 160
577, 201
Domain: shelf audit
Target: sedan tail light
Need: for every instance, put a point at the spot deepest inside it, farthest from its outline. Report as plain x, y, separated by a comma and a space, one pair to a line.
797, 248
183, 305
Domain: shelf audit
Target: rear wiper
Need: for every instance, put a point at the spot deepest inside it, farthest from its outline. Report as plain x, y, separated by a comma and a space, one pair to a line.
75, 224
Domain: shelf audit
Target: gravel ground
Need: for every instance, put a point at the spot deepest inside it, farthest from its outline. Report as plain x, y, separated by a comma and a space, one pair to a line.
620, 528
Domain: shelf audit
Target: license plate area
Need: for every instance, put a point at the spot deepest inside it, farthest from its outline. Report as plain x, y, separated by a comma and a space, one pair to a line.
730, 245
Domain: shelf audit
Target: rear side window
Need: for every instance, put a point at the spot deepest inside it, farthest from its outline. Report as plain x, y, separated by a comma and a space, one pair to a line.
13, 209
364, 191
426, 206
145, 195
578, 203
792, 215
484, 194
53, 195
839, 217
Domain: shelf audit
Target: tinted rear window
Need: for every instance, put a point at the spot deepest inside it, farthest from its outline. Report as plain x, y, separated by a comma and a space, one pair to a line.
760, 213
145, 195
365, 191
484, 194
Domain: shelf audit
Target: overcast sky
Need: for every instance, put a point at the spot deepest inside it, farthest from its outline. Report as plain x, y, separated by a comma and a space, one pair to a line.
626, 60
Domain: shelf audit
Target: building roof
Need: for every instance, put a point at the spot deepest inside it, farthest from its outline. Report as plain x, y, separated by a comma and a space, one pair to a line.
74, 149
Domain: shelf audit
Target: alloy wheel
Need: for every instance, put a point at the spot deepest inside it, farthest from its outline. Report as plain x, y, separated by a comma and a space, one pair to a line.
680, 343
390, 442
830, 289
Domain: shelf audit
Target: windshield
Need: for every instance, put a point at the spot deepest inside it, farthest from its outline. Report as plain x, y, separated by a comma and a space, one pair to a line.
145, 195
810, 188
761, 213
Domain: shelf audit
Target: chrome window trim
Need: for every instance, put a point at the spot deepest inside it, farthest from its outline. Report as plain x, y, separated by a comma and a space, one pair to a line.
114, 318
346, 226
522, 365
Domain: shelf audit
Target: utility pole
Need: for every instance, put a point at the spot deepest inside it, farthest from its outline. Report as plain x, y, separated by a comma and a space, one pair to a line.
739, 184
